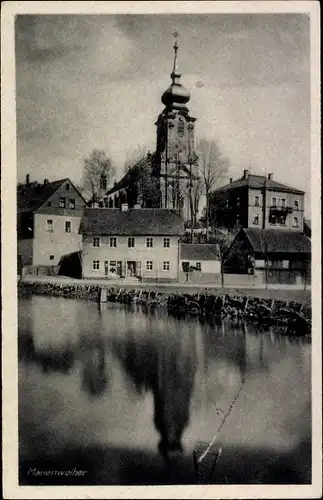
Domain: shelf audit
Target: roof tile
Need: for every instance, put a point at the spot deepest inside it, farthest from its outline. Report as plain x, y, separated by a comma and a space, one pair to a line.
133, 222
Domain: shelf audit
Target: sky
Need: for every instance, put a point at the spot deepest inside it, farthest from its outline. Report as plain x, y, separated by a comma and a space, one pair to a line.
95, 81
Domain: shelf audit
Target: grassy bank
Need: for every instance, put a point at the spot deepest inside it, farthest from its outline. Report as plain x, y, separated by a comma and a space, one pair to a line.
283, 293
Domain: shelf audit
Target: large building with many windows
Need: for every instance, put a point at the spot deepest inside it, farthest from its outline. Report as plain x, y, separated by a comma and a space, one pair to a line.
48, 219
131, 243
257, 201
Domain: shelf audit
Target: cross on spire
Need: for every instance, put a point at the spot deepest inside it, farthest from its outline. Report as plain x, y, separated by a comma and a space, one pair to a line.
175, 46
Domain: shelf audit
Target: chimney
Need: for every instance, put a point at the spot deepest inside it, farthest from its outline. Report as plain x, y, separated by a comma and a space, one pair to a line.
270, 177
124, 207
230, 180
245, 174
27, 179
46, 181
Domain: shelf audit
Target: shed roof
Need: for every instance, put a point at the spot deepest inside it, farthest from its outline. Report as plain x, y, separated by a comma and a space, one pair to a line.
133, 222
199, 251
258, 182
277, 241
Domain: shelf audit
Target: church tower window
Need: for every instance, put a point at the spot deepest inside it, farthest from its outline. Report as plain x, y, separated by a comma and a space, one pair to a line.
180, 128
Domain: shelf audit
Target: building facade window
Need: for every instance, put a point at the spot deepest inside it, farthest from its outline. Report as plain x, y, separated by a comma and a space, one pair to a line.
51, 257
71, 203
96, 265
166, 265
296, 204
67, 186
198, 266
256, 219
283, 203
274, 201
149, 242
113, 267
295, 222
49, 203
68, 227
238, 202
282, 220
62, 202
49, 225
149, 265
166, 242
131, 242
257, 201
113, 242
96, 241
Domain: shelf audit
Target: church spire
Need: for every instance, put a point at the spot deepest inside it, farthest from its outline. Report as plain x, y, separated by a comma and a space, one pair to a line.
175, 75
176, 96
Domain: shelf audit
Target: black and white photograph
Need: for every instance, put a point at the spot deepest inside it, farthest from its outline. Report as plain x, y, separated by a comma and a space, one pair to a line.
164, 185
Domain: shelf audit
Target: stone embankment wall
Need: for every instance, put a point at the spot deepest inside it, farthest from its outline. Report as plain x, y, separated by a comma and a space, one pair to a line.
293, 315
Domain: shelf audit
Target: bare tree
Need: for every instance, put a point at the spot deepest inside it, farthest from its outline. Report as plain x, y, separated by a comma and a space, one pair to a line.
264, 251
97, 167
212, 166
223, 238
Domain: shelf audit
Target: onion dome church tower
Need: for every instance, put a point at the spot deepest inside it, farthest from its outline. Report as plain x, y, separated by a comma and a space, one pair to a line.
175, 151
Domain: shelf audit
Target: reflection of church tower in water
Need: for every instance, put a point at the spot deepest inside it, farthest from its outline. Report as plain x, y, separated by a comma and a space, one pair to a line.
175, 151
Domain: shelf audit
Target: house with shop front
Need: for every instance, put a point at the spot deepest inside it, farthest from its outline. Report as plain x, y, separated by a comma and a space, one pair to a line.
257, 201
271, 256
200, 263
48, 219
137, 243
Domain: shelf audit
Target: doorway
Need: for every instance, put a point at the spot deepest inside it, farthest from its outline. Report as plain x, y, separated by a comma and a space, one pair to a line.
131, 268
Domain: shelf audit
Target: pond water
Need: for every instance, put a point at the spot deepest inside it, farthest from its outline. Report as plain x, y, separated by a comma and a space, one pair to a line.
129, 395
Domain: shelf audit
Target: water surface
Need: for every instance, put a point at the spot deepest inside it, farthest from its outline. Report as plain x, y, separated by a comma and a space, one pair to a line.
127, 394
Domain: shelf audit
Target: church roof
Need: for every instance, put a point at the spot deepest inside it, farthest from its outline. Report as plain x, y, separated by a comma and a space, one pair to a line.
258, 182
128, 178
133, 222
